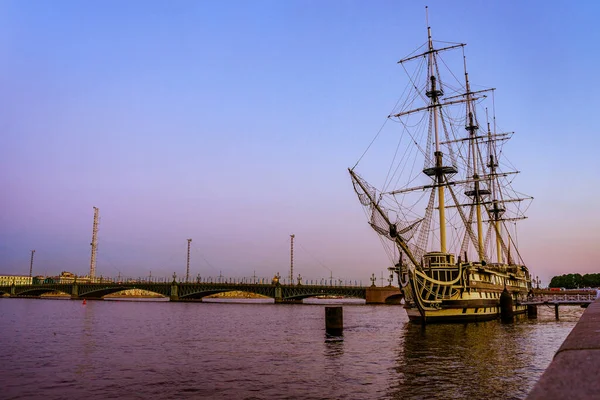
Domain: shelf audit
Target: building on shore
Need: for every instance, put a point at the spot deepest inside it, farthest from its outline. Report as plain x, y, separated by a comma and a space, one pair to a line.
15, 280
67, 277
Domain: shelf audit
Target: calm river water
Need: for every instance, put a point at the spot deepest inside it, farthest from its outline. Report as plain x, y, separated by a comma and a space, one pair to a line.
60, 349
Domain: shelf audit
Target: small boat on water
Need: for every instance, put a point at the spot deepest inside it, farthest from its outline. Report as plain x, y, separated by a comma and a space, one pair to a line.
444, 204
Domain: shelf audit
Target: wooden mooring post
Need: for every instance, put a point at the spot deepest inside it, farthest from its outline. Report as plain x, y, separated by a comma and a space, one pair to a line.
532, 311
334, 321
506, 306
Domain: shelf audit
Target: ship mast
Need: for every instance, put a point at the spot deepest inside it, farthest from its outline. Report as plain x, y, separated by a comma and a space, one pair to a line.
496, 211
471, 222
477, 192
434, 93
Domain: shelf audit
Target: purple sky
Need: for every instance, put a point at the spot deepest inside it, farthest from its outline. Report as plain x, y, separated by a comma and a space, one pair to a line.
233, 123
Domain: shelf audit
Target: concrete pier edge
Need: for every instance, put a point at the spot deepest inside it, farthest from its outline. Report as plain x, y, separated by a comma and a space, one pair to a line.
574, 373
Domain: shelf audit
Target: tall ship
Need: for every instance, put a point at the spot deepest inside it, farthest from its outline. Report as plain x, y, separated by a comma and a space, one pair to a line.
444, 206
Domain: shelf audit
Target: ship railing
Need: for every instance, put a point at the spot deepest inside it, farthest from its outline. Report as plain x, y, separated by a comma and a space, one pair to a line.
432, 291
429, 279
439, 265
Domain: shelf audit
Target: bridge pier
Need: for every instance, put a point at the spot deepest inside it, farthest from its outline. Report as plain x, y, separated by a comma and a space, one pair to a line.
381, 295
75, 292
556, 310
278, 294
174, 296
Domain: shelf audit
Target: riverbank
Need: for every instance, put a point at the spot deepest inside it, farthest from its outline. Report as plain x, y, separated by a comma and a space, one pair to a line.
575, 368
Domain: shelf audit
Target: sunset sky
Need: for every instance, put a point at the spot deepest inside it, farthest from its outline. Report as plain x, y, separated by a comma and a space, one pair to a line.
234, 122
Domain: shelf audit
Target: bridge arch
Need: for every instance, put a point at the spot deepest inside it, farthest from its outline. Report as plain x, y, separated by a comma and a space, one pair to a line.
202, 293
394, 299
98, 293
39, 291
43, 291
316, 295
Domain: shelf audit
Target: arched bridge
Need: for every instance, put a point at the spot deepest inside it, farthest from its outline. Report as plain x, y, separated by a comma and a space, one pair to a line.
196, 291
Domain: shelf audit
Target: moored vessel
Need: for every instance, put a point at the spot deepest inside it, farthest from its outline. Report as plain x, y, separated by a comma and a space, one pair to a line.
445, 207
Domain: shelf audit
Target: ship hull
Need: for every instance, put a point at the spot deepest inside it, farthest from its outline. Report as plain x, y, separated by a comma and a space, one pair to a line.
463, 292
458, 315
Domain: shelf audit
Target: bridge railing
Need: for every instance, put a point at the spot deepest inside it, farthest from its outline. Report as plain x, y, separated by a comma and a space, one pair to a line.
563, 298
204, 280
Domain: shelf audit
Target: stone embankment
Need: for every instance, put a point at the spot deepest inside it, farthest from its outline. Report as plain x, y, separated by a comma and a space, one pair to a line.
575, 370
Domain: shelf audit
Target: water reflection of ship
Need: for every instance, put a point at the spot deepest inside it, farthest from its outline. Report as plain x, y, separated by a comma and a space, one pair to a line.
481, 360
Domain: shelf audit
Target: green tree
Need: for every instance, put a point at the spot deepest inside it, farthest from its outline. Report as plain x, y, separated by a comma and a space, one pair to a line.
591, 280
575, 281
